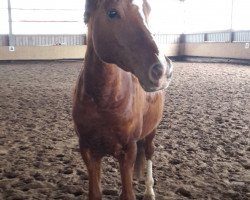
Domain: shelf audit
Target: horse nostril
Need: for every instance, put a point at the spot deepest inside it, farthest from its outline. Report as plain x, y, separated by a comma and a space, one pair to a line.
156, 72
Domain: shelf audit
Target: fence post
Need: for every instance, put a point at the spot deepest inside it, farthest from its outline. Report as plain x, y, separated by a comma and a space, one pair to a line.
182, 38
205, 37
231, 36
10, 42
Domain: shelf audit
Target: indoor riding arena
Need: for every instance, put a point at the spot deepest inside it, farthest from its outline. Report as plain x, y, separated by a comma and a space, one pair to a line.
202, 145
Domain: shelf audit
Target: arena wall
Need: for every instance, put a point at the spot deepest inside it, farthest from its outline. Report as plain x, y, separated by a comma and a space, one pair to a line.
233, 45
42, 52
216, 50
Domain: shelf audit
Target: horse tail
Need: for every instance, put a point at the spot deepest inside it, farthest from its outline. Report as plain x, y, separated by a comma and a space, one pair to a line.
140, 160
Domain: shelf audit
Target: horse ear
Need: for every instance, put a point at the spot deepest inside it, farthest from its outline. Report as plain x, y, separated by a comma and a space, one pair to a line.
146, 7
90, 6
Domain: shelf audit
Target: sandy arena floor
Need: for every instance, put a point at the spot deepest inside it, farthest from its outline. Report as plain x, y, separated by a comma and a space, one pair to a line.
202, 146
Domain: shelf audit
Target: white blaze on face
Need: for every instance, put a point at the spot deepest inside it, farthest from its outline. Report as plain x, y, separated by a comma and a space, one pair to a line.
139, 4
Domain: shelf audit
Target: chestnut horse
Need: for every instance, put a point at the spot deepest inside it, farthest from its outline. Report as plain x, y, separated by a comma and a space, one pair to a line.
119, 97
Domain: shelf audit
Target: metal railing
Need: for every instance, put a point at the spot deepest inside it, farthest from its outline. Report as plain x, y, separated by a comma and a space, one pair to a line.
71, 40
44, 40
220, 36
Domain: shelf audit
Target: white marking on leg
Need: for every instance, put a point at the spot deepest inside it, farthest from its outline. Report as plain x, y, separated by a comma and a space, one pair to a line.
149, 181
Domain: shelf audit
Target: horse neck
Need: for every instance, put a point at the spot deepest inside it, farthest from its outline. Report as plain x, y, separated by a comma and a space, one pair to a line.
95, 69
102, 80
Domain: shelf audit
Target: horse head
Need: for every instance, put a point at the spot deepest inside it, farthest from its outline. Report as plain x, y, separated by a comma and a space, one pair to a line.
119, 32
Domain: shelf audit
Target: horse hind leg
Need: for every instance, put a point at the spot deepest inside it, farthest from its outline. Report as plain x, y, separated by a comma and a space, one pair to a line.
149, 151
93, 164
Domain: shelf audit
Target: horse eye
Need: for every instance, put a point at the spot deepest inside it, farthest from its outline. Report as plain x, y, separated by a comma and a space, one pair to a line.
113, 13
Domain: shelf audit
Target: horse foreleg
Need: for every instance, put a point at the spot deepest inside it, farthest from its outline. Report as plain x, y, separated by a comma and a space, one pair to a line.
126, 162
93, 164
149, 151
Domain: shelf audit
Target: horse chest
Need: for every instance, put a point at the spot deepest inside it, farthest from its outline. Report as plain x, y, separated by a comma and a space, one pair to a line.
109, 118
107, 129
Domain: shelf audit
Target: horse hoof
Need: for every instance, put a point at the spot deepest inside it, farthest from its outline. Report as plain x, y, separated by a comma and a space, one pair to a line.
149, 197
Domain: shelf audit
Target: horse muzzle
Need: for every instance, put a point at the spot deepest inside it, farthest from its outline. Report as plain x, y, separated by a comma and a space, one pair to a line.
160, 75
